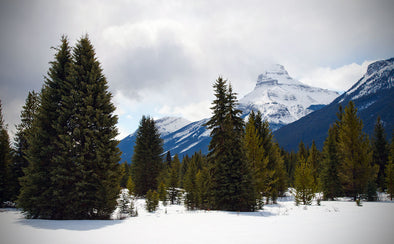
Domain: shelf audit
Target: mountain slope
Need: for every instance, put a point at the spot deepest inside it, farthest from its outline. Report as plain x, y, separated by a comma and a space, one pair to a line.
373, 95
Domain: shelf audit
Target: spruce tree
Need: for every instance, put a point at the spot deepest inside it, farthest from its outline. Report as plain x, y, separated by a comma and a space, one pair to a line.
355, 154
380, 153
21, 145
303, 182
390, 170
331, 185
232, 185
5, 161
162, 191
174, 179
192, 200
73, 154
255, 156
86, 131
313, 160
37, 191
152, 200
147, 157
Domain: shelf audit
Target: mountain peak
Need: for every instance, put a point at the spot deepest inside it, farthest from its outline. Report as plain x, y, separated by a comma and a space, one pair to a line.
275, 74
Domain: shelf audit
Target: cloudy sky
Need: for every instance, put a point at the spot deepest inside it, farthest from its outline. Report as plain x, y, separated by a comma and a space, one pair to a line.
162, 57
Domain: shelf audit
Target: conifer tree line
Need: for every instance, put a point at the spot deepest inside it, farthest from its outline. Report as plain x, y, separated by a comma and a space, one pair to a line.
246, 168
65, 159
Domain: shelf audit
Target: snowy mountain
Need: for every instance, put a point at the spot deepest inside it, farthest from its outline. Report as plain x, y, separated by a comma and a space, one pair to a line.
282, 99
373, 96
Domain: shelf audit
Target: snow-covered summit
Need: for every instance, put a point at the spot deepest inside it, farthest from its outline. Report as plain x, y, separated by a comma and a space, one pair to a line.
282, 99
275, 74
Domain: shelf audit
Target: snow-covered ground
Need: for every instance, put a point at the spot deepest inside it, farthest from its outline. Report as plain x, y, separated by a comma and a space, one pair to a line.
332, 222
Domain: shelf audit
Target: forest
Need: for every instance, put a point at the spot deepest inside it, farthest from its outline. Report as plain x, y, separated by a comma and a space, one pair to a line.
64, 162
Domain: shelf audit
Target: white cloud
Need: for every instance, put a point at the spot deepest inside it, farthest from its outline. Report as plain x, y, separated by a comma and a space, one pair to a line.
339, 79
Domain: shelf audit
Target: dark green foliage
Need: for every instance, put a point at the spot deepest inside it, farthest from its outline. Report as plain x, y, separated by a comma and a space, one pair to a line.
192, 200
21, 140
147, 161
355, 154
380, 156
255, 157
232, 183
314, 159
390, 170
5, 162
152, 200
125, 174
37, 189
168, 160
174, 179
162, 191
275, 173
330, 183
303, 182
74, 171
290, 161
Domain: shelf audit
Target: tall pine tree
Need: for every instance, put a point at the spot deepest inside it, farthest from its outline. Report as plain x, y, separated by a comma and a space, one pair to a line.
380, 149
73, 155
36, 194
330, 183
5, 161
355, 154
232, 185
21, 145
304, 182
147, 157
390, 170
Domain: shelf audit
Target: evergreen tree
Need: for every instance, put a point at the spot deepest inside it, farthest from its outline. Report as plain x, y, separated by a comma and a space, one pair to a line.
192, 195
174, 179
277, 167
152, 200
162, 191
130, 185
36, 186
86, 128
303, 182
313, 160
290, 161
204, 186
147, 156
5, 161
380, 153
232, 185
302, 151
168, 159
124, 174
390, 170
331, 185
354, 153
73, 154
21, 139
255, 156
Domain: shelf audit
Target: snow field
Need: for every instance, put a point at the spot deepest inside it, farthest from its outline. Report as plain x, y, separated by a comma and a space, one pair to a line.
332, 222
